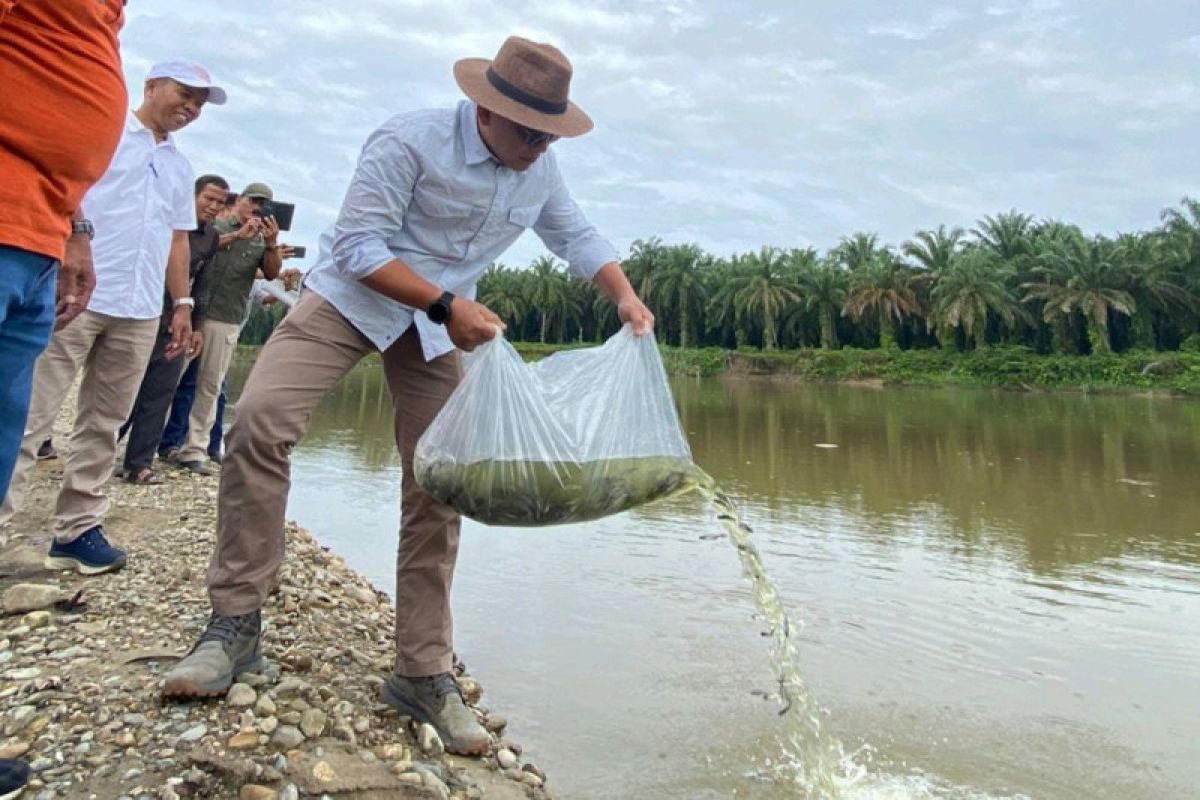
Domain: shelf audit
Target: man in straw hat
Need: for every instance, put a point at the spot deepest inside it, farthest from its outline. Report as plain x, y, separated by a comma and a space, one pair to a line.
438, 195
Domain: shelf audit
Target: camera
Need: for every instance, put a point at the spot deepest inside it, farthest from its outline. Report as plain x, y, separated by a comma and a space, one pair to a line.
282, 212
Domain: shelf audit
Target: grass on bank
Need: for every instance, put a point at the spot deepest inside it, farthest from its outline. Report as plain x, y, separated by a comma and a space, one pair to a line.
1004, 367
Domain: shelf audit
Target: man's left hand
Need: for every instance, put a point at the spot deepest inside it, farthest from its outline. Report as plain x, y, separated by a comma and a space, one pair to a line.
634, 311
270, 230
181, 332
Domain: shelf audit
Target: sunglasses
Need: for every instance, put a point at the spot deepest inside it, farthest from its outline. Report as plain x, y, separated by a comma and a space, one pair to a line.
535, 138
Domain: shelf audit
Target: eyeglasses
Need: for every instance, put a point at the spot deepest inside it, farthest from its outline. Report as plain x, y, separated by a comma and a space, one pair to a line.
535, 138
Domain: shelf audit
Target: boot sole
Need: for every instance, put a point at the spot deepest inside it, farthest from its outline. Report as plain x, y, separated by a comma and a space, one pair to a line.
452, 746
217, 688
63, 562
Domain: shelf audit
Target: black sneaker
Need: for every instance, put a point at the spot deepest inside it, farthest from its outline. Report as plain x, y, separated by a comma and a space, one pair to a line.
228, 647
46, 452
438, 701
90, 554
13, 777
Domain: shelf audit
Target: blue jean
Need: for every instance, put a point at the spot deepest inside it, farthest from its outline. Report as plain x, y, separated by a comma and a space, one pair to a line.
175, 434
27, 293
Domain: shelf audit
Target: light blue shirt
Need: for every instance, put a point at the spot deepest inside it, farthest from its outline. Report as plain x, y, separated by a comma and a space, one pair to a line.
428, 192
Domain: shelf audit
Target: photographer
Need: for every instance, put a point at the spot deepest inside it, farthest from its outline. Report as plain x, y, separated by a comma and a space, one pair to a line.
248, 244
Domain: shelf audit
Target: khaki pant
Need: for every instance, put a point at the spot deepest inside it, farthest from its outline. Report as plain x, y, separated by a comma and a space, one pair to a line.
220, 343
308, 353
113, 353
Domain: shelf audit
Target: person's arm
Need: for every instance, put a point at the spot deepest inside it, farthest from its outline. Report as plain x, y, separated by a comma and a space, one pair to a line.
76, 278
565, 230
372, 213
177, 287
252, 226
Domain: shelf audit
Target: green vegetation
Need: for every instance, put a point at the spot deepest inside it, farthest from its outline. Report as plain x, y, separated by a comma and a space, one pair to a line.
1012, 302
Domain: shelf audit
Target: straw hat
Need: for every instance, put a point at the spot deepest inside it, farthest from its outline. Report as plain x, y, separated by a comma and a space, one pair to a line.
527, 83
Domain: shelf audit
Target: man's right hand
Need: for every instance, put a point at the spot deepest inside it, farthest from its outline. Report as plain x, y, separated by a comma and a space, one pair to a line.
76, 280
471, 324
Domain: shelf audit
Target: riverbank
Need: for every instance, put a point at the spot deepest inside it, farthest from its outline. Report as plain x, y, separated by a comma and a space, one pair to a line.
82, 661
997, 367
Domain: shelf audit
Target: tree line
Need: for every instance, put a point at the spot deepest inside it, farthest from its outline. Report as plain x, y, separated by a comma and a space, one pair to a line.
1011, 279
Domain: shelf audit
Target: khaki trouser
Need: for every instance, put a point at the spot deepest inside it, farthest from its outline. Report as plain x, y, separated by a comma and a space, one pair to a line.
308, 353
220, 343
113, 352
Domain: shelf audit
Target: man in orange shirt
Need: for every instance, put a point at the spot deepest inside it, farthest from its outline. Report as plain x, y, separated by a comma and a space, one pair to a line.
62, 108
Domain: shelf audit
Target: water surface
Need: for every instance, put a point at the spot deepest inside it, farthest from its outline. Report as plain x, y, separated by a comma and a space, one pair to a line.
1000, 593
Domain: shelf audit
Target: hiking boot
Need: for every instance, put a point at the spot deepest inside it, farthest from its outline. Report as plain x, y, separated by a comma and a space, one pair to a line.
196, 467
90, 554
46, 451
438, 701
228, 647
13, 777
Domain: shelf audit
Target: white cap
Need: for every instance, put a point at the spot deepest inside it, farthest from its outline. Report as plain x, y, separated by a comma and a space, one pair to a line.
189, 73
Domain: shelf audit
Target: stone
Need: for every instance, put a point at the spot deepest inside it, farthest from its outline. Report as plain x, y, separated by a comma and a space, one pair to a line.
289, 792
496, 724
27, 674
241, 696
36, 619
429, 741
471, 690
12, 750
287, 737
264, 706
434, 783
323, 772
253, 791
268, 725
530, 779
194, 734
26, 597
312, 723
245, 739
506, 758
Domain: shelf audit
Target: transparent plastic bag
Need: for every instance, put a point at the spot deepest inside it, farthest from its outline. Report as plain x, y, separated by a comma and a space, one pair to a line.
578, 435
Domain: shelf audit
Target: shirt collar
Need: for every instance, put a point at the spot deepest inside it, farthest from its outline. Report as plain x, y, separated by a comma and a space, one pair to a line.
134, 125
474, 150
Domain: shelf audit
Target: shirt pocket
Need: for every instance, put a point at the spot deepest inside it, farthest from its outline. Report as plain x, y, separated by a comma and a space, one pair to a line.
525, 216
442, 225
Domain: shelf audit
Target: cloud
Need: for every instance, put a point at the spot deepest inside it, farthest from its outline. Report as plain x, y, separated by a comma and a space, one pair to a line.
789, 125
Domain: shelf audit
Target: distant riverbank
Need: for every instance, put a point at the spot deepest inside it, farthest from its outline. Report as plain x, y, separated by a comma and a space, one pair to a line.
1172, 373
999, 367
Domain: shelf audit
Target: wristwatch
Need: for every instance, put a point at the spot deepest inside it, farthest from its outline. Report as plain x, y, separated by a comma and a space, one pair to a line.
439, 312
185, 301
84, 226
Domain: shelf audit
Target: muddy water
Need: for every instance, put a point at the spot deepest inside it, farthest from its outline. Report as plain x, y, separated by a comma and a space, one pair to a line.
1000, 594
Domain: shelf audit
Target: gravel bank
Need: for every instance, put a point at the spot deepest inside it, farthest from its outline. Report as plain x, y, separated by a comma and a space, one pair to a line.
82, 660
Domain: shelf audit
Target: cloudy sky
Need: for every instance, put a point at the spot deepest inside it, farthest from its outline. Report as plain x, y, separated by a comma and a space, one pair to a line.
731, 124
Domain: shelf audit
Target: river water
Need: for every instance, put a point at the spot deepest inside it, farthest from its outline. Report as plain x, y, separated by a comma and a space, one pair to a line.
999, 592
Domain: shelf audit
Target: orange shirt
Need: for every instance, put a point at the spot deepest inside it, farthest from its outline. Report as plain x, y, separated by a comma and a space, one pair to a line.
62, 109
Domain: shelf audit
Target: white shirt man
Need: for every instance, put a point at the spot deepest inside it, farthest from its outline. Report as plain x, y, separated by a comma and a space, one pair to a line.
141, 211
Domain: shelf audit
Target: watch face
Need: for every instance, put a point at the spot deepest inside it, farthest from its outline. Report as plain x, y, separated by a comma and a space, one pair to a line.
438, 312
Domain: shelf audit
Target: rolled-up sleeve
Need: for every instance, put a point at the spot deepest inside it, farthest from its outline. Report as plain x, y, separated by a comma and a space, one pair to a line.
567, 233
373, 211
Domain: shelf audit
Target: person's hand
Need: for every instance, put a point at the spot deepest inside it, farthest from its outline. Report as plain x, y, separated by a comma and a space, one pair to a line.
634, 311
290, 277
268, 300
471, 324
286, 251
181, 332
250, 228
196, 345
76, 280
270, 230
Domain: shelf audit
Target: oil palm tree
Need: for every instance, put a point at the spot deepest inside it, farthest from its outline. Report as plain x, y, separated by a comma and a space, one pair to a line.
550, 295
887, 288
974, 285
1078, 275
1007, 234
934, 250
674, 288
501, 289
766, 291
823, 290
